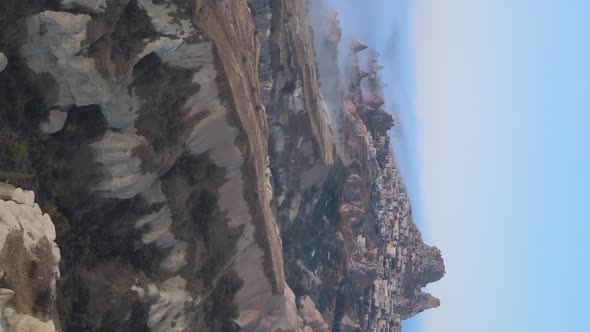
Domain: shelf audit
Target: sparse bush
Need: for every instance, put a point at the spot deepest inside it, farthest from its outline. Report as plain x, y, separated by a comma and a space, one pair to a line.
61, 222
15, 152
50, 209
72, 128
14, 178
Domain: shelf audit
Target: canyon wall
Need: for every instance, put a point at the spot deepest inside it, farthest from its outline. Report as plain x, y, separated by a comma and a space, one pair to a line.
207, 165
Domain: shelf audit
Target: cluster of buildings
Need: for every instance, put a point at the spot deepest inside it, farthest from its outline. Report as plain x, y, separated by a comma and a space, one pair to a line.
389, 248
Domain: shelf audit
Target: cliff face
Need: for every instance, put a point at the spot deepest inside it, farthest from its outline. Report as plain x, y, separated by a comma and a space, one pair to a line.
199, 176
349, 241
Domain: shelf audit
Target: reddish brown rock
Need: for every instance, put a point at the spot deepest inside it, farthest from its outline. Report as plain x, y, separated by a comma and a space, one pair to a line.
375, 101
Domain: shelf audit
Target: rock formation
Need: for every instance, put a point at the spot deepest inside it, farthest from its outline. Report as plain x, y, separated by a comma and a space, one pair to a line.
29, 260
356, 46
199, 175
3, 61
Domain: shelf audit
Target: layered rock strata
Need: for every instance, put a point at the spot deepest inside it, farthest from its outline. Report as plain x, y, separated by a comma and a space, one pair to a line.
199, 175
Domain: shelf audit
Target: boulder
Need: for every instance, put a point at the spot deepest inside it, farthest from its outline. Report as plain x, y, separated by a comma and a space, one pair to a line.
55, 122
3, 61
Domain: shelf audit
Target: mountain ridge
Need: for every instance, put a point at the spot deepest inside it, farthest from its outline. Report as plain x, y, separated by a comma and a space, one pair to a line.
208, 166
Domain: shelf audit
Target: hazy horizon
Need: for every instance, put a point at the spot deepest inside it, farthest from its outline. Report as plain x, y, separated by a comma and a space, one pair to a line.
491, 98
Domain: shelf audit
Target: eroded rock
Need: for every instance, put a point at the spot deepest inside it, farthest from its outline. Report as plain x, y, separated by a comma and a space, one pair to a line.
29, 260
55, 122
197, 189
3, 62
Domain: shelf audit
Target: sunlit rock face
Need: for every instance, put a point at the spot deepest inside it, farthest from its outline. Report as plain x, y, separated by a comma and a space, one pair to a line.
167, 195
199, 175
29, 260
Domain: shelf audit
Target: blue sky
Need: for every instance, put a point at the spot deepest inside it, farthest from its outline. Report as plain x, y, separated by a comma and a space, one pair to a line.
493, 102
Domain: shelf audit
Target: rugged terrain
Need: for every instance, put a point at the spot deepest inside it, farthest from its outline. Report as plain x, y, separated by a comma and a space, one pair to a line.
208, 166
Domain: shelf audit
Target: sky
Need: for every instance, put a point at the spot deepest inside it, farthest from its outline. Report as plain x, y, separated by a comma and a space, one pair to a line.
492, 100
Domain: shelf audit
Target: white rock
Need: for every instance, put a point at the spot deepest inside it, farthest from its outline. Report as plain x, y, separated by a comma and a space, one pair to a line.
3, 61
19, 212
163, 19
159, 232
176, 259
5, 296
140, 291
123, 176
55, 122
11, 193
56, 52
96, 6
168, 314
26, 323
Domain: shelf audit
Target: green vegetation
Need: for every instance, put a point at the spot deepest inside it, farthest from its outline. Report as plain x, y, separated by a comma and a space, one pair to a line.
51, 210
12, 152
61, 222
15, 152
72, 128
15, 176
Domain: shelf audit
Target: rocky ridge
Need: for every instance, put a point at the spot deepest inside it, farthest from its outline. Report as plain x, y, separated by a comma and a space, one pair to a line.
374, 262
185, 178
389, 260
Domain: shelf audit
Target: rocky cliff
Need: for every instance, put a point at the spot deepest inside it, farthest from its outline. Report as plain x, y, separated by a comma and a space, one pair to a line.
208, 166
